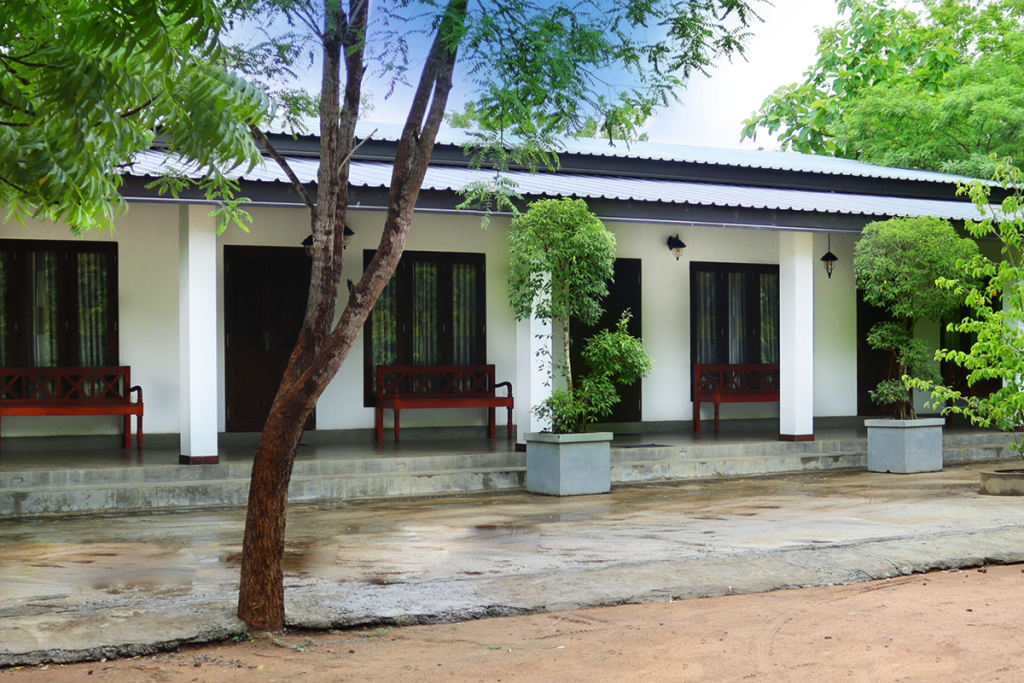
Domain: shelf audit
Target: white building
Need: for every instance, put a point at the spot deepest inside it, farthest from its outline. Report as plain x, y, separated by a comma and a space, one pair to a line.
204, 320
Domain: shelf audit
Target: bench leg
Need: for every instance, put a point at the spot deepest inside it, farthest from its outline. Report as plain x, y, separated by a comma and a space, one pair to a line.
378, 424
127, 431
397, 427
138, 431
696, 416
490, 422
717, 405
510, 423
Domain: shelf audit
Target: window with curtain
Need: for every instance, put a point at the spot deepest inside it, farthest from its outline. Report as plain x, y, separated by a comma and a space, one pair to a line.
734, 310
58, 304
430, 313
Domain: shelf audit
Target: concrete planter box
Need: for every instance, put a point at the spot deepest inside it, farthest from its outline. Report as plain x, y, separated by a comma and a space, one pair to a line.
905, 446
568, 464
1002, 483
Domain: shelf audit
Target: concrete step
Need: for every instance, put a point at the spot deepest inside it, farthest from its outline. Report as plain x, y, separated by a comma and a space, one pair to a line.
736, 466
234, 492
38, 478
84, 490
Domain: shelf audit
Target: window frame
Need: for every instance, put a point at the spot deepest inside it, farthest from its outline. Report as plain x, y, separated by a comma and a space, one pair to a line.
403, 278
753, 307
17, 342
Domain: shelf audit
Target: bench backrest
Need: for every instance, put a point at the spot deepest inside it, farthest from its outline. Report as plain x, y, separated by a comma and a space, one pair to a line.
65, 384
726, 378
435, 381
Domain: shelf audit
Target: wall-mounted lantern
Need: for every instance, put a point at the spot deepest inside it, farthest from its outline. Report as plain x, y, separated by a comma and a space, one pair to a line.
829, 258
676, 246
307, 243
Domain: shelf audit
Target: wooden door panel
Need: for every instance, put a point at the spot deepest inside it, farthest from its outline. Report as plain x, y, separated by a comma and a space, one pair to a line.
624, 292
265, 290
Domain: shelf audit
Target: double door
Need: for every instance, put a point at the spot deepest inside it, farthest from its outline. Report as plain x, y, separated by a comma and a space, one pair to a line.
265, 291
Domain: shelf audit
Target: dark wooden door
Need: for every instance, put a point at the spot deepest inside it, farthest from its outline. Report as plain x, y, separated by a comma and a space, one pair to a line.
265, 290
623, 293
873, 365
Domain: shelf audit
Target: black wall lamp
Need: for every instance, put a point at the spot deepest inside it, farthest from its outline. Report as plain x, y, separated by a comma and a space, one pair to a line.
307, 243
829, 258
676, 246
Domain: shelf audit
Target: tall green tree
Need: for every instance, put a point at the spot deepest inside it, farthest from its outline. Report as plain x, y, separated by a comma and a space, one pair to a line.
86, 85
939, 87
538, 69
995, 322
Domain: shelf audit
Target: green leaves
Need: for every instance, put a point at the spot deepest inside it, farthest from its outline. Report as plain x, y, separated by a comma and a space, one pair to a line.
994, 294
939, 89
897, 264
561, 258
84, 86
612, 357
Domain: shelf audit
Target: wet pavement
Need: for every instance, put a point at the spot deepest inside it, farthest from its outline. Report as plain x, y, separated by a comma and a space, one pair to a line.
108, 585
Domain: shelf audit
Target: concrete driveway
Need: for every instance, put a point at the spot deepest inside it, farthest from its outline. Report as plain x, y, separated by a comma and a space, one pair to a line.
102, 586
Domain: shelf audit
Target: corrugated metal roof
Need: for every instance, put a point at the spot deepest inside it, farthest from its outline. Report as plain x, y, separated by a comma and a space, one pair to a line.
778, 161
368, 174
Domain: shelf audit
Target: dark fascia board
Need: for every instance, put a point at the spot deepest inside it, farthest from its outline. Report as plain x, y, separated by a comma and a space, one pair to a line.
657, 169
284, 195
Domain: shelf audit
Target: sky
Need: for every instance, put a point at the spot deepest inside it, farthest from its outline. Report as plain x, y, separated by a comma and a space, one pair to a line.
712, 110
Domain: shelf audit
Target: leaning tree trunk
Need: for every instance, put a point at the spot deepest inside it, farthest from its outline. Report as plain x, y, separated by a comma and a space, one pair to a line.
321, 350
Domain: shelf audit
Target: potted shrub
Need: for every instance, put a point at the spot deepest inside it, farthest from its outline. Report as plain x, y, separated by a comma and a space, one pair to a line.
561, 259
897, 263
993, 294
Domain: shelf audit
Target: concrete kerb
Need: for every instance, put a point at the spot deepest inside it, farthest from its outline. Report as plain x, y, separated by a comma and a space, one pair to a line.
86, 632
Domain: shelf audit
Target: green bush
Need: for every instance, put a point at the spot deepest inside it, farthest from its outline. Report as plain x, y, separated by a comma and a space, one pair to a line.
897, 264
561, 259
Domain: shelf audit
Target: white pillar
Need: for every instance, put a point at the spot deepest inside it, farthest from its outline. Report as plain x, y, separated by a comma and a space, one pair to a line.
533, 375
197, 330
796, 336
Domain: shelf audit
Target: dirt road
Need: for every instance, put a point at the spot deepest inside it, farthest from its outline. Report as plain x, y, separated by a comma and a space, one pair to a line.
934, 628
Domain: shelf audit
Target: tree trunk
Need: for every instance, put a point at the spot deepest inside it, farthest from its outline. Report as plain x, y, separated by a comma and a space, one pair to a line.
320, 351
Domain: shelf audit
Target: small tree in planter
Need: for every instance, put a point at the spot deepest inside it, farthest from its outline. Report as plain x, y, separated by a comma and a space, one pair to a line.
897, 263
993, 293
561, 259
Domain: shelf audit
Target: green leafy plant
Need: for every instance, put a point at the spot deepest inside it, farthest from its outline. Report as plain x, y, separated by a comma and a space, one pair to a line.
992, 292
897, 263
933, 84
562, 258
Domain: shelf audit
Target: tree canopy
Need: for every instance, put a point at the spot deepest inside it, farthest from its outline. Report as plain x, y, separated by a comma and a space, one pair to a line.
941, 88
85, 85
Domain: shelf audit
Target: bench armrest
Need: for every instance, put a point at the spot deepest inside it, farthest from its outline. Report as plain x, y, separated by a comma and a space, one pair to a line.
507, 385
138, 389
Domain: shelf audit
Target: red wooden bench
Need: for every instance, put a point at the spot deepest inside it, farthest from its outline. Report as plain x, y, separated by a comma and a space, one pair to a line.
439, 386
72, 391
730, 383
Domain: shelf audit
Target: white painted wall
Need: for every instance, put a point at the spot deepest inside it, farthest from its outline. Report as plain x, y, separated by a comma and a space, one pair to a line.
835, 329
148, 292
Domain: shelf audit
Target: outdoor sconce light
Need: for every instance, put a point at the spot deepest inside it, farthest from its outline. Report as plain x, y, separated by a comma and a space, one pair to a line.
829, 258
676, 246
307, 243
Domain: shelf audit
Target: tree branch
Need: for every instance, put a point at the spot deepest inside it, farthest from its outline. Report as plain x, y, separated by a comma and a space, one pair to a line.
348, 157
136, 110
286, 167
16, 187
